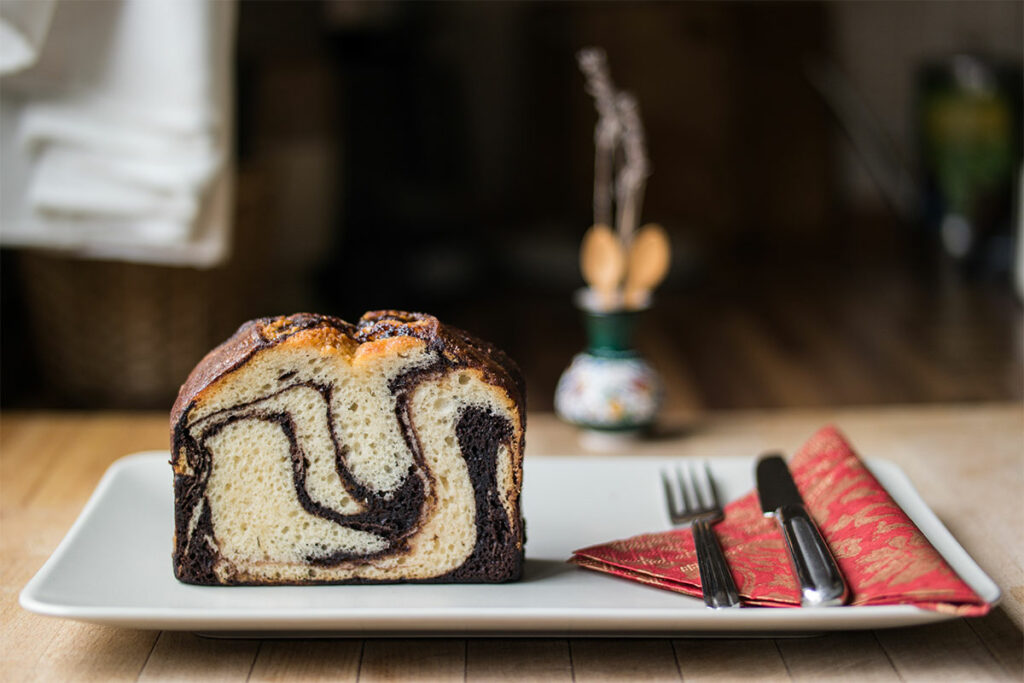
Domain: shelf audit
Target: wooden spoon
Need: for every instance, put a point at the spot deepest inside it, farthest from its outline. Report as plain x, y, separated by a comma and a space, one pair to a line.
649, 259
603, 262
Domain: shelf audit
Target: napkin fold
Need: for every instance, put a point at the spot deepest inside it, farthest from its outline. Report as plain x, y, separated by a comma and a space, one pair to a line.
883, 555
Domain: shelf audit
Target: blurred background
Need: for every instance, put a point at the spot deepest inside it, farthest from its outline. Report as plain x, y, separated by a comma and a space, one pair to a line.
840, 180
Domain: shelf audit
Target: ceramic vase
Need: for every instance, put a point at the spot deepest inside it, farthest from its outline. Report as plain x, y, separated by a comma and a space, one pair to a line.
609, 387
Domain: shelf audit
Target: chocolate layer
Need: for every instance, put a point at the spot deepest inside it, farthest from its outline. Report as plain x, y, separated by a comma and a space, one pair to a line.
480, 432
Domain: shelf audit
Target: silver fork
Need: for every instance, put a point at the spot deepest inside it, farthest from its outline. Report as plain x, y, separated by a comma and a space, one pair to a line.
699, 504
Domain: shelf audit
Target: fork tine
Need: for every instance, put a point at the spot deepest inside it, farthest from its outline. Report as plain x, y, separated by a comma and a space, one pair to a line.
706, 491
698, 487
685, 492
716, 501
673, 511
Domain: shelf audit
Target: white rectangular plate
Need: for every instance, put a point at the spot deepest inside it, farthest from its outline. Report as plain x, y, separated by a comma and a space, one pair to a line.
114, 567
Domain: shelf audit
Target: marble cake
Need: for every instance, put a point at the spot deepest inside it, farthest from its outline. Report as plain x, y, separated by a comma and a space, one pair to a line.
310, 450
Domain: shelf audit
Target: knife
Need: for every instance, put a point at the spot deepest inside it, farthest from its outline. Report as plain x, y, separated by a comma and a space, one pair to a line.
821, 583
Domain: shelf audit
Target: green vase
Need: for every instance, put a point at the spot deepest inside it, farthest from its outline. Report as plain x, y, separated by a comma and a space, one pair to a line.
609, 386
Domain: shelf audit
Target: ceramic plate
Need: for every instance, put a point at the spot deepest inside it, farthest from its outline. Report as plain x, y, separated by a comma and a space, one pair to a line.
114, 567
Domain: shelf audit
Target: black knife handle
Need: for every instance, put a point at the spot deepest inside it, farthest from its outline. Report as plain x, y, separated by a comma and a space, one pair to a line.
821, 583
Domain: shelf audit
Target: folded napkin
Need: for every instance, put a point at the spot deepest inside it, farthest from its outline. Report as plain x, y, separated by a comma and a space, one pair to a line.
885, 558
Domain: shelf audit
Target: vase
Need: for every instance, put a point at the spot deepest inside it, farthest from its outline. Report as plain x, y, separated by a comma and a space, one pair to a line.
609, 387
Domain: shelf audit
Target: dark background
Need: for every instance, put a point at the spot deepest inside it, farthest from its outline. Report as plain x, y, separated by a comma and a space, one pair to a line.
438, 157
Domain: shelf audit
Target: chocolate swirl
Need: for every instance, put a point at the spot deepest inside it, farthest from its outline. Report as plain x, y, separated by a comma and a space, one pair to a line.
392, 518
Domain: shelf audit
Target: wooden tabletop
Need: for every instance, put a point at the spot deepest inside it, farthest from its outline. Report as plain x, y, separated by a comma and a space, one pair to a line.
967, 462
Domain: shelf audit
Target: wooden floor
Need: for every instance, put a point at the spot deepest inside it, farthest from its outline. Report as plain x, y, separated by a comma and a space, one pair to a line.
776, 338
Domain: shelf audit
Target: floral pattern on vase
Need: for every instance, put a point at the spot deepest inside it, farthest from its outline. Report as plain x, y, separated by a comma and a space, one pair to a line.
600, 392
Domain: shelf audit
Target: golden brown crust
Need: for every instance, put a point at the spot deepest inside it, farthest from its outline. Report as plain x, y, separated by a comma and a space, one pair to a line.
377, 332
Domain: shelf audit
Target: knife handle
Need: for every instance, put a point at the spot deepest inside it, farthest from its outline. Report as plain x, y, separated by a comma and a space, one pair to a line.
821, 584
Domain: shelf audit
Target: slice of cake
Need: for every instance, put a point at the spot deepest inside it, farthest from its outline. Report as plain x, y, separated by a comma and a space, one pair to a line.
309, 450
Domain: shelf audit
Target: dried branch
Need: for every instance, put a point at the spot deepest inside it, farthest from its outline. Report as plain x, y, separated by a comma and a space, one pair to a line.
594, 65
633, 173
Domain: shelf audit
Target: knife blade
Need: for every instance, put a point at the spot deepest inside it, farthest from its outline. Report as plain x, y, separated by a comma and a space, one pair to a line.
821, 582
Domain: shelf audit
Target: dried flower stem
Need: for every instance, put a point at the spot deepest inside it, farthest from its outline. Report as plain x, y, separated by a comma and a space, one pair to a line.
618, 124
633, 173
594, 65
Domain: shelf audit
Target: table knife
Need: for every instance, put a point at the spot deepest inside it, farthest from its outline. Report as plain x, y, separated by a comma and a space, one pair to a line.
821, 583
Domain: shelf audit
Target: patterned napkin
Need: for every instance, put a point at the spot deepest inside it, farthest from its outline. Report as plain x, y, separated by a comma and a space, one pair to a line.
885, 558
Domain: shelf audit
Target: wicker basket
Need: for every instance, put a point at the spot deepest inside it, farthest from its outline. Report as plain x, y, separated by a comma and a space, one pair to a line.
122, 335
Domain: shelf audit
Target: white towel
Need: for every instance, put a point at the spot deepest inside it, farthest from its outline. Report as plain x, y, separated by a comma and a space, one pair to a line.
115, 134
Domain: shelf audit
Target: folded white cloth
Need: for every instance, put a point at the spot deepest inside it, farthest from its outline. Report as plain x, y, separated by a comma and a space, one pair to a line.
115, 134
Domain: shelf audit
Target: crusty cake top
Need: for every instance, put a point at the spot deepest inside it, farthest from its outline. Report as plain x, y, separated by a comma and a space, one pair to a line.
455, 347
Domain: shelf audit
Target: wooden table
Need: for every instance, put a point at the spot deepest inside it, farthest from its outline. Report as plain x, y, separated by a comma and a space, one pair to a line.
966, 460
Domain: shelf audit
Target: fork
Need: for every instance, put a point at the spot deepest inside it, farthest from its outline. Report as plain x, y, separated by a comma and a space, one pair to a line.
699, 504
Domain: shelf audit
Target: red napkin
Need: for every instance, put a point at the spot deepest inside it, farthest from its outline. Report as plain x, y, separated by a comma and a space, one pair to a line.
885, 558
